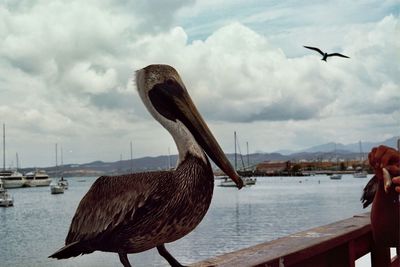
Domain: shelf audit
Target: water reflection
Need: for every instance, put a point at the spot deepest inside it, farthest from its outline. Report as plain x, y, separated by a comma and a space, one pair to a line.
275, 207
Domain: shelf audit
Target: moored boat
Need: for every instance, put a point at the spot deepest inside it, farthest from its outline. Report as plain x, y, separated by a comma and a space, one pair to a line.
226, 182
360, 174
37, 178
6, 200
249, 180
56, 189
12, 179
63, 182
336, 176
247, 175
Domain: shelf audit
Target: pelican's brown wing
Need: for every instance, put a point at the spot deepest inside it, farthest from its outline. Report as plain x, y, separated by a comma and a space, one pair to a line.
108, 203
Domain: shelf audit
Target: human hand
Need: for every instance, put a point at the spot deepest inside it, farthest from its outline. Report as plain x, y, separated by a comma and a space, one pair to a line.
386, 164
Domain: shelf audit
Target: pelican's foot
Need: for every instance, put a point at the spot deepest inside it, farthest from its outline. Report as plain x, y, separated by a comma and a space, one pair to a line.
123, 257
166, 255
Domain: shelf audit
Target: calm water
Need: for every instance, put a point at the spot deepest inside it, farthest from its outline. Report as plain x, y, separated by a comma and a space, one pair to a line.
38, 223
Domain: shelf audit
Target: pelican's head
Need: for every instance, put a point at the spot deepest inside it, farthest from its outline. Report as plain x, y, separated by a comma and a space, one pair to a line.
166, 98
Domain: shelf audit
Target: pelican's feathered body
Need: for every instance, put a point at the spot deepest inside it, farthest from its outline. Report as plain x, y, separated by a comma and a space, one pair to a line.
136, 212
324, 54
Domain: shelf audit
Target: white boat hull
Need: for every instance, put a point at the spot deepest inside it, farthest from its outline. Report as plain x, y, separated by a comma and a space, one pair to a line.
13, 183
227, 184
246, 182
336, 177
37, 182
6, 200
56, 189
249, 180
360, 175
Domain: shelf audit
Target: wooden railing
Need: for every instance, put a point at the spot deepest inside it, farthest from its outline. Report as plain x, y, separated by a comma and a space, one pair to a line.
338, 244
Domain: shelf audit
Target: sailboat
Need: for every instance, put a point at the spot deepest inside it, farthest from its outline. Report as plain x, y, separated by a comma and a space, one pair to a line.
11, 178
336, 176
56, 188
360, 173
6, 199
246, 175
226, 181
62, 182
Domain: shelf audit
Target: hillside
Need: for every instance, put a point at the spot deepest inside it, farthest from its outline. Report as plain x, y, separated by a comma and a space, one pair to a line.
320, 152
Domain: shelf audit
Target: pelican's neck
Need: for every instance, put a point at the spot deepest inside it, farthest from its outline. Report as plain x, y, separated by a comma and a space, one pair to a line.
185, 142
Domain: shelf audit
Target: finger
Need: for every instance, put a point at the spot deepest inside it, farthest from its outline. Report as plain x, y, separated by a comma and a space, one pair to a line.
397, 188
380, 151
375, 157
390, 157
393, 170
396, 180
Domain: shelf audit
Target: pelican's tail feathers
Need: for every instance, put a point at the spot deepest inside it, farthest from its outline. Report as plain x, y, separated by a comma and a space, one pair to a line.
71, 250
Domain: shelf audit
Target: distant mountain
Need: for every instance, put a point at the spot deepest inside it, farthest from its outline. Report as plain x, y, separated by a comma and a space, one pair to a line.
320, 152
354, 147
285, 151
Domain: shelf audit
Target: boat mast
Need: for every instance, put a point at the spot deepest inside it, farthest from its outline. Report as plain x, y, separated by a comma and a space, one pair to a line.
248, 160
62, 159
234, 134
337, 160
4, 147
17, 159
56, 159
56, 155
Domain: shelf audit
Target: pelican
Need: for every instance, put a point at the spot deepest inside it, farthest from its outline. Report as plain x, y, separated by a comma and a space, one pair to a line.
136, 212
324, 54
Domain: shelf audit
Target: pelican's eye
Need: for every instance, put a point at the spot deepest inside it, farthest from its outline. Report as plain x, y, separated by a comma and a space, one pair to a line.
170, 81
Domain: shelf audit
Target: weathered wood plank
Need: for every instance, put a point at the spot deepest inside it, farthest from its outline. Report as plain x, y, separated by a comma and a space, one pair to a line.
339, 243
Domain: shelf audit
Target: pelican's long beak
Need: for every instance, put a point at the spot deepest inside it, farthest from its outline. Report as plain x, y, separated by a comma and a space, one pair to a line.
174, 102
205, 138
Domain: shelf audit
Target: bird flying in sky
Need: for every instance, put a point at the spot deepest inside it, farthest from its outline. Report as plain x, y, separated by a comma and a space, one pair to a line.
324, 54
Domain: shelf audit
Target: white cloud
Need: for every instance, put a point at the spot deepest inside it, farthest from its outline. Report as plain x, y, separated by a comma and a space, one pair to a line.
66, 71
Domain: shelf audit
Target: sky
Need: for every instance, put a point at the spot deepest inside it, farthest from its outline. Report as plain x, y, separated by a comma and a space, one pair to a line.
67, 74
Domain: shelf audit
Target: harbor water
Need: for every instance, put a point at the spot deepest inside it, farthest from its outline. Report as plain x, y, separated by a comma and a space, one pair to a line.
276, 206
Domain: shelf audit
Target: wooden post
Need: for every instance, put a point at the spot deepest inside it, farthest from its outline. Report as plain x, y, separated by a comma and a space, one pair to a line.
380, 257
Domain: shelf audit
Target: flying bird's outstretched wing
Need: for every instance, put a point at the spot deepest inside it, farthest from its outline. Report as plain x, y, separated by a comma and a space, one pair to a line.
315, 49
337, 54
